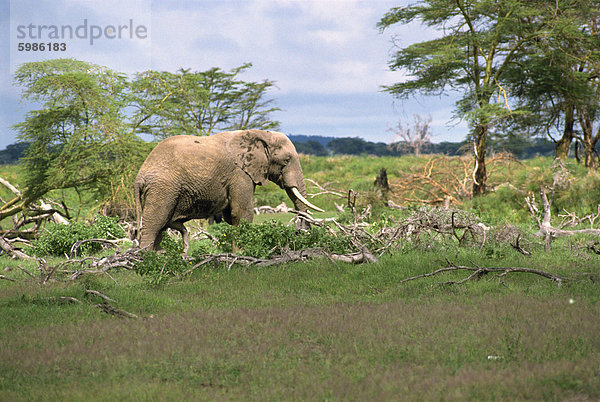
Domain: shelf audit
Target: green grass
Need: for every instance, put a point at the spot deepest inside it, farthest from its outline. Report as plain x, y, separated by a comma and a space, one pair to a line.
316, 330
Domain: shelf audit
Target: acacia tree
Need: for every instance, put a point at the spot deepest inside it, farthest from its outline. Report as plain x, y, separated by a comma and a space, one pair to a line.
78, 138
584, 65
557, 80
480, 40
199, 102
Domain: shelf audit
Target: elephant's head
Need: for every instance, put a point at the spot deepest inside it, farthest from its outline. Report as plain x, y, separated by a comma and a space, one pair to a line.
269, 155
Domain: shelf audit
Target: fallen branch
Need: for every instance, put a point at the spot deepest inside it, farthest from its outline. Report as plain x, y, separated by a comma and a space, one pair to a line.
89, 265
287, 257
265, 209
6, 278
518, 247
125, 260
359, 257
108, 309
96, 293
478, 272
56, 215
12, 188
12, 251
64, 299
114, 243
323, 190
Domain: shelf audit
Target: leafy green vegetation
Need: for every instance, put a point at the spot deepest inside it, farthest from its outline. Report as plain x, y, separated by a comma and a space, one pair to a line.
273, 237
157, 269
200, 102
486, 50
59, 239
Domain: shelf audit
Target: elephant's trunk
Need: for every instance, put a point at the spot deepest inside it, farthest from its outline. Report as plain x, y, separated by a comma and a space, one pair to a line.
293, 181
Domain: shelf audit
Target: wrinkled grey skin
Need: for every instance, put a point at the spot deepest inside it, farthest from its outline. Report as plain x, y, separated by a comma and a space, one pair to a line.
188, 177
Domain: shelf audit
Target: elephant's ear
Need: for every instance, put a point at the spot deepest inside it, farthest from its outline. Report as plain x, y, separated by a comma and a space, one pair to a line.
251, 156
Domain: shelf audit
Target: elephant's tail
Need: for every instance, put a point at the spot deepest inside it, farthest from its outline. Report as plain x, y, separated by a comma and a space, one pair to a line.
137, 193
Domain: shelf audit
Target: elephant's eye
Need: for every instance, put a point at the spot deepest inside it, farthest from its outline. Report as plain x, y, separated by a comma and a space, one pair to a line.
286, 161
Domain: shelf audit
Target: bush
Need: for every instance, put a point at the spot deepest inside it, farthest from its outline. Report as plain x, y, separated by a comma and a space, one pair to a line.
269, 238
256, 240
506, 204
158, 268
58, 239
581, 196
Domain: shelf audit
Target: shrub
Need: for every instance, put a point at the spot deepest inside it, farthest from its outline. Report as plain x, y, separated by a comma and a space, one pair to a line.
158, 268
581, 196
58, 239
506, 204
265, 239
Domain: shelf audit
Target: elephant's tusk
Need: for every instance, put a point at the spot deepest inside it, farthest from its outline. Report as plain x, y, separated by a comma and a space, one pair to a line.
304, 200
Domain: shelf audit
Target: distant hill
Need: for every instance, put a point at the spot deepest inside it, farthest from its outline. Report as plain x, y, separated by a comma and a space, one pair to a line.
321, 146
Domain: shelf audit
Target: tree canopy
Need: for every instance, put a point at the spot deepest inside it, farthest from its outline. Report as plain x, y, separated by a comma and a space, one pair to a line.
200, 103
78, 138
480, 43
557, 81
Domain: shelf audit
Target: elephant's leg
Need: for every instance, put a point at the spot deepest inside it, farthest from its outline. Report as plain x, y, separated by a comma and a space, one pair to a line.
227, 215
241, 201
185, 235
149, 237
241, 206
155, 218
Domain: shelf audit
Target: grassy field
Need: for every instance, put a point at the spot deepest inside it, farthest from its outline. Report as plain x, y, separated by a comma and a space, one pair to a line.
315, 330
321, 330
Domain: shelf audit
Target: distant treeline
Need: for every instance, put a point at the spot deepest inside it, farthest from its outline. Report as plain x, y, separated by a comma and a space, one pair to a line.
13, 153
323, 146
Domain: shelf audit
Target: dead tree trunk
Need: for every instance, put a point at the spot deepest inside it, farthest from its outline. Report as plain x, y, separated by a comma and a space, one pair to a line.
546, 230
381, 181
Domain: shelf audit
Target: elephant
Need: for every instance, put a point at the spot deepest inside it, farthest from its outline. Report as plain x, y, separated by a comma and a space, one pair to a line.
190, 177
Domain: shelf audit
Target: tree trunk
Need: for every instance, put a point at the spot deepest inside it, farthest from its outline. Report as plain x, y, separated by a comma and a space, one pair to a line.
479, 145
590, 155
589, 140
563, 145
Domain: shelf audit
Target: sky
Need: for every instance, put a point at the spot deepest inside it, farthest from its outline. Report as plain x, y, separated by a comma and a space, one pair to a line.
327, 58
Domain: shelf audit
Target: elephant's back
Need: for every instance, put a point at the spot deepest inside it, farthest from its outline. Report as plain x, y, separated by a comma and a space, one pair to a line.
180, 160
177, 145
178, 150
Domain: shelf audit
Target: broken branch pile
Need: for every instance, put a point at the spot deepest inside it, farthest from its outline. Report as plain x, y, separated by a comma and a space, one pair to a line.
442, 180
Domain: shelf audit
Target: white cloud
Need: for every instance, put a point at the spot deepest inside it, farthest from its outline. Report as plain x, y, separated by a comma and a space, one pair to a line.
311, 46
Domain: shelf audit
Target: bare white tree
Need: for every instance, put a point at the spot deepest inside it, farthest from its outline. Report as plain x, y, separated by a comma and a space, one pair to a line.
415, 136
